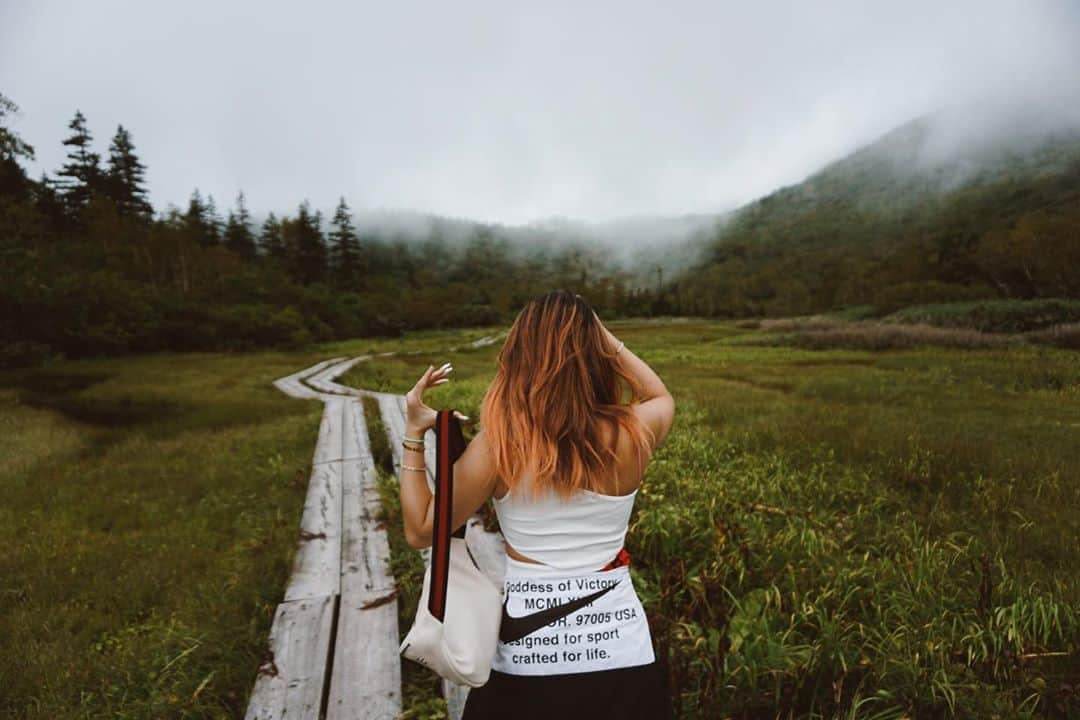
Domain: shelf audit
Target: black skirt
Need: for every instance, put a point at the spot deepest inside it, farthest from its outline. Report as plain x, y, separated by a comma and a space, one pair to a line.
631, 693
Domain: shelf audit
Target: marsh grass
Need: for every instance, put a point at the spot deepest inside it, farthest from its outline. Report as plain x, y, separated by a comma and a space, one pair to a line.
826, 533
1000, 316
970, 325
149, 515
1063, 336
837, 533
822, 333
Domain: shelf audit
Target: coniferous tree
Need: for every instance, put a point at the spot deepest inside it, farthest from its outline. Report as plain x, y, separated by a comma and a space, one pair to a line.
238, 235
48, 201
271, 243
13, 179
126, 176
82, 170
195, 219
213, 222
309, 248
344, 247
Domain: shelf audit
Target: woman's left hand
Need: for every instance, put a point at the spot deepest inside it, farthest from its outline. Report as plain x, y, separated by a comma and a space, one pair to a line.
420, 417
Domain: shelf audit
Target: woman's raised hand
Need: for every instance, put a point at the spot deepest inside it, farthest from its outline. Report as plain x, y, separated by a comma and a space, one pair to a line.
420, 417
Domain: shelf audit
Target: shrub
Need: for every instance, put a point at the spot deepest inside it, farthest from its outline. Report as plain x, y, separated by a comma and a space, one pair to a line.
894, 297
993, 315
1063, 336
24, 353
808, 323
876, 336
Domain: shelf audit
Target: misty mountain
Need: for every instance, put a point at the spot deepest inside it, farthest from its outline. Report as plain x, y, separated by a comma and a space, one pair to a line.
908, 218
897, 185
635, 246
917, 170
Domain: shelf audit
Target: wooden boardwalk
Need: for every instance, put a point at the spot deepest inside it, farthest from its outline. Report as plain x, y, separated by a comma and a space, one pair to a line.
333, 648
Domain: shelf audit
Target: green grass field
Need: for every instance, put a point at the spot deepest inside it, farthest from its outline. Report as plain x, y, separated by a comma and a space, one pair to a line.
847, 534
827, 533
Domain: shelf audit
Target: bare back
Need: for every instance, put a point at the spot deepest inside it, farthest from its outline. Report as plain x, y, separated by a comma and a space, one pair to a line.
630, 473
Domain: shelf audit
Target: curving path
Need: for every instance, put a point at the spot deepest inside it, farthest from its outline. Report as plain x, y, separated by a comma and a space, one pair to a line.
333, 648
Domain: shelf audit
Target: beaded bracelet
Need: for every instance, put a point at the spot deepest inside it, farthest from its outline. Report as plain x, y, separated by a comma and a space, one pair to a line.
405, 445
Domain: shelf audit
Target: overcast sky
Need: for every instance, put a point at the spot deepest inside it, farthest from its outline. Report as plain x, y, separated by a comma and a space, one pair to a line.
498, 112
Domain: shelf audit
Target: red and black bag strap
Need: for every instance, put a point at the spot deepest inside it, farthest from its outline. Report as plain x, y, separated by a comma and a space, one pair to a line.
449, 444
622, 558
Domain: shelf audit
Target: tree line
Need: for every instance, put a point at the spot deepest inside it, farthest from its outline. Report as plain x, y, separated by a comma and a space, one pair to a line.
90, 268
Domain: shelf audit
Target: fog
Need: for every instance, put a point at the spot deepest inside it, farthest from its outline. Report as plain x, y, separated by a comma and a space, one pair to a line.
487, 111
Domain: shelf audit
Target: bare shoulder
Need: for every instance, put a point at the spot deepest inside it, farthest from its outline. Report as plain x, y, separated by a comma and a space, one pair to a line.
631, 464
658, 414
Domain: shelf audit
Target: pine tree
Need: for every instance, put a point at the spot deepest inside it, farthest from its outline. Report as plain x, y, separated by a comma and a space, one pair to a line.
213, 222
238, 235
344, 247
125, 177
82, 170
13, 179
309, 260
271, 243
49, 202
195, 220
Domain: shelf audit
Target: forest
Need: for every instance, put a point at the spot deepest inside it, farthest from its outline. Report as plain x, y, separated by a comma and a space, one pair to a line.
90, 268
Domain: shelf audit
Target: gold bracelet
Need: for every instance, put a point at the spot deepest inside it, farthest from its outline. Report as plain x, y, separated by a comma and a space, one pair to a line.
410, 467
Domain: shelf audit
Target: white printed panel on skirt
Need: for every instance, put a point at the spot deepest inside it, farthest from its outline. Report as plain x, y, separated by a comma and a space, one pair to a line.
572, 624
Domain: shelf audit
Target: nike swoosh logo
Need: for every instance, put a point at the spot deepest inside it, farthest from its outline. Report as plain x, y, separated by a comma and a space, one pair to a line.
514, 628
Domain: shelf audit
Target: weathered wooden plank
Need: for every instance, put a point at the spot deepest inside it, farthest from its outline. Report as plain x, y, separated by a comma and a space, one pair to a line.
293, 386
290, 680
317, 564
329, 446
355, 444
366, 680
323, 380
365, 550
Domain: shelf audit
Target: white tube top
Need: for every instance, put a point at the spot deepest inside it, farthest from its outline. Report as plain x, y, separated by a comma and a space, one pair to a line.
581, 534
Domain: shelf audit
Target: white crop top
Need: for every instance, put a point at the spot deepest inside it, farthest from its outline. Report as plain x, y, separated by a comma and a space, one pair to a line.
581, 534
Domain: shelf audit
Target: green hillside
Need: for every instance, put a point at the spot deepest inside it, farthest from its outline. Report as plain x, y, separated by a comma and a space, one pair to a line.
926, 213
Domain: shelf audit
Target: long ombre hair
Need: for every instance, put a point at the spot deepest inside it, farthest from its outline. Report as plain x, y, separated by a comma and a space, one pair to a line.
556, 383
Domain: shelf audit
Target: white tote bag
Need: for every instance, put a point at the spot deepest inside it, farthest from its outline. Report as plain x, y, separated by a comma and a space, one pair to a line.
457, 620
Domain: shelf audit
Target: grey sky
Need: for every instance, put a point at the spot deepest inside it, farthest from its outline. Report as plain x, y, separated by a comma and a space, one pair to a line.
504, 111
